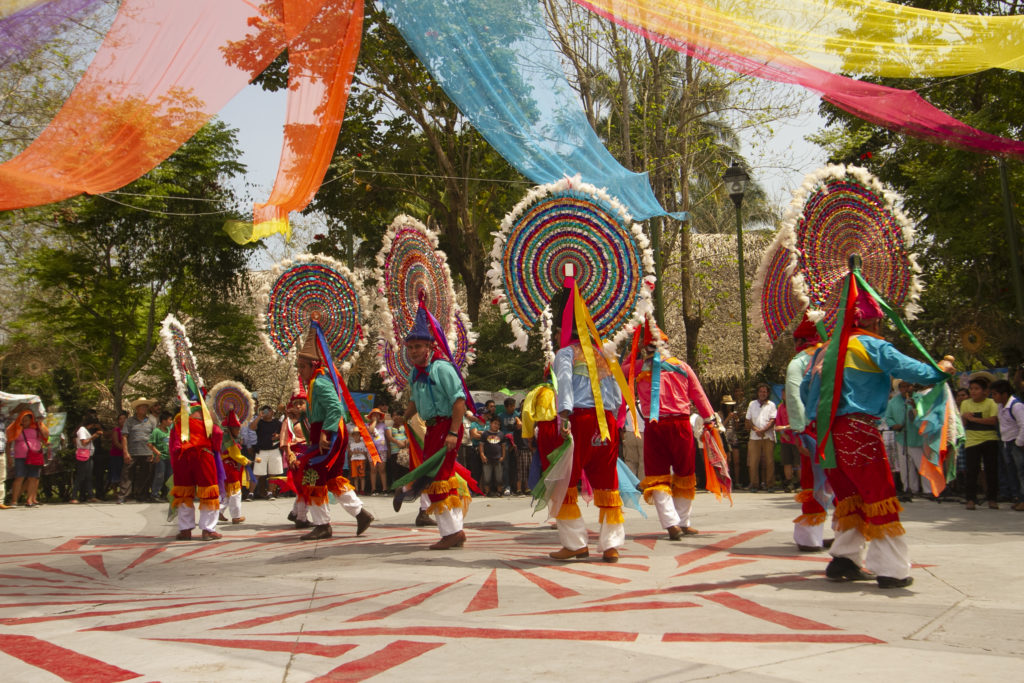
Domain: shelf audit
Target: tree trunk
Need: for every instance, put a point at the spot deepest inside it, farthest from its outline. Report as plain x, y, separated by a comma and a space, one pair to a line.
692, 319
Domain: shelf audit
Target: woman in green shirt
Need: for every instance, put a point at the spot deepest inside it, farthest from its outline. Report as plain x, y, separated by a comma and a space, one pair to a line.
980, 416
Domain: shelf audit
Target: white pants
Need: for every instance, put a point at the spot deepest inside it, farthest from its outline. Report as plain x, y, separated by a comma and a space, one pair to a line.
672, 511
573, 535
187, 518
886, 556
270, 463
910, 467
299, 508
809, 535
424, 501
233, 506
321, 514
449, 522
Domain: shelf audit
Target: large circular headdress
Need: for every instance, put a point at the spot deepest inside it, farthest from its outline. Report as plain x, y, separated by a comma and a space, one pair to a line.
571, 222
312, 284
411, 267
179, 350
844, 210
776, 304
229, 396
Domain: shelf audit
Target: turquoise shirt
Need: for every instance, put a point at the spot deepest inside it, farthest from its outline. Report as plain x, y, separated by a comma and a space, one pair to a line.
324, 404
870, 363
896, 415
573, 380
795, 372
435, 395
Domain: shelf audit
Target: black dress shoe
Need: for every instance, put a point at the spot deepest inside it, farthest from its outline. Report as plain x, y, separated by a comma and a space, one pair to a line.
809, 548
291, 516
302, 524
363, 521
828, 542
889, 582
845, 569
397, 501
320, 531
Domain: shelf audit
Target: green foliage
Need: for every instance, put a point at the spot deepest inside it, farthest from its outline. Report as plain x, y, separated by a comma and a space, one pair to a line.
107, 269
498, 365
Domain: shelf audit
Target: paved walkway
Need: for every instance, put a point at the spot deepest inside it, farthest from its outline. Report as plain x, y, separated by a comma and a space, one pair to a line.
102, 593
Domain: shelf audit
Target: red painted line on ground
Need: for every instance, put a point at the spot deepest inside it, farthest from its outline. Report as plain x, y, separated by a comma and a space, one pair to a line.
405, 604
589, 575
195, 615
753, 609
19, 577
646, 542
801, 558
714, 566
146, 554
550, 587
61, 662
101, 613
717, 546
704, 587
487, 597
767, 638
624, 607
260, 621
391, 655
202, 549
61, 603
40, 567
96, 562
470, 632
74, 544
300, 648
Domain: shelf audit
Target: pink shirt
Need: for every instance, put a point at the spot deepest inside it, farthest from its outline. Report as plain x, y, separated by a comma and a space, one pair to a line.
680, 389
29, 438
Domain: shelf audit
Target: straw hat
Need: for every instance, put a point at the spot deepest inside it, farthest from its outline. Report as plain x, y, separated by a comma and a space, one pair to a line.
142, 402
727, 400
982, 374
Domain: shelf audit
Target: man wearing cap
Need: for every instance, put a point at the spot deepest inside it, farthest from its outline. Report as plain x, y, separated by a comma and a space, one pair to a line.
137, 474
194, 464
324, 458
438, 397
234, 469
668, 390
814, 498
867, 509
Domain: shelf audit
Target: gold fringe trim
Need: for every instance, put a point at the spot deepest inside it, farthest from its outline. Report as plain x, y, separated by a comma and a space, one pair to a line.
607, 498
873, 531
449, 503
569, 511
848, 506
466, 500
317, 495
849, 522
611, 515
811, 519
684, 487
805, 496
338, 485
207, 492
889, 506
651, 482
232, 487
442, 486
571, 496
649, 492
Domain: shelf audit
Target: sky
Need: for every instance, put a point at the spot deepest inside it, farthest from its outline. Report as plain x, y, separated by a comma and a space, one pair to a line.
778, 159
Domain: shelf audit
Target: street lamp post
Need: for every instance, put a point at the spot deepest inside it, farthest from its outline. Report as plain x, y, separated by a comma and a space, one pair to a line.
736, 179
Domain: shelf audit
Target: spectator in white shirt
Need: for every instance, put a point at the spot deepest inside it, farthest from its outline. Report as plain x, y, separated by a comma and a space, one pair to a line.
760, 421
1011, 433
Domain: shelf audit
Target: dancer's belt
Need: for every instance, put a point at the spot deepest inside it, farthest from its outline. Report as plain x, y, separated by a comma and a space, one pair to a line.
432, 421
862, 417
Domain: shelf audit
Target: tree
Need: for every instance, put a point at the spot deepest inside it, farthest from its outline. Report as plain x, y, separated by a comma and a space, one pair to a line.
108, 268
955, 197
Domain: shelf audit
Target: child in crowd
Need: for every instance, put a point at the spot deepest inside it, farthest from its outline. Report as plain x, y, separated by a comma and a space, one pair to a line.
492, 455
357, 455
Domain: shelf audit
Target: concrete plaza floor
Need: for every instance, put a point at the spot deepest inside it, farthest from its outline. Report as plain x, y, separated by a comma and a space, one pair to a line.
103, 593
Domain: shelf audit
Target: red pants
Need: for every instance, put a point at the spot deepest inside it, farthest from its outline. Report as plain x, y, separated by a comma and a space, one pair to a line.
862, 481
811, 511
597, 458
317, 479
549, 437
195, 475
669, 456
232, 476
444, 492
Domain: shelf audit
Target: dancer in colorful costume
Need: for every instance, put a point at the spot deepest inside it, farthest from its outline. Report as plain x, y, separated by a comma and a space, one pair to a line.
848, 388
540, 421
324, 456
814, 496
235, 475
668, 390
590, 392
294, 437
440, 397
